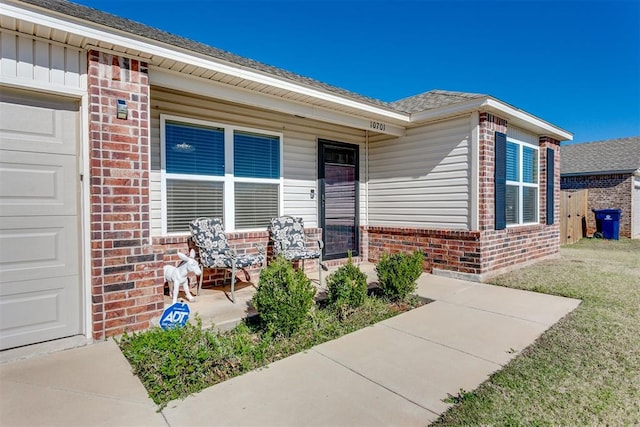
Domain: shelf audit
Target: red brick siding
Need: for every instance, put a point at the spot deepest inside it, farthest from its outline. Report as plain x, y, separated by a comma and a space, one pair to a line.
457, 251
126, 278
614, 191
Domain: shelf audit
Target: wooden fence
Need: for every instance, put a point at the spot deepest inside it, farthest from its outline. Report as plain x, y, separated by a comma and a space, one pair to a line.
573, 215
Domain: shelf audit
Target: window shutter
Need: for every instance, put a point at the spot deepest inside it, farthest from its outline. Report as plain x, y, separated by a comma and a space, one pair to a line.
500, 166
550, 185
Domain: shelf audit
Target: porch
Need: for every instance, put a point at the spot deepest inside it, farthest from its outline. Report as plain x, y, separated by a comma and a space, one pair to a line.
215, 308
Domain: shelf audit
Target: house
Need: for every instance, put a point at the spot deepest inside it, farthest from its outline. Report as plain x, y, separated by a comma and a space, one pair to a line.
610, 171
114, 135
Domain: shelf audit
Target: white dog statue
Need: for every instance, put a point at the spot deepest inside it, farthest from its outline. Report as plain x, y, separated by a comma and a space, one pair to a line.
176, 276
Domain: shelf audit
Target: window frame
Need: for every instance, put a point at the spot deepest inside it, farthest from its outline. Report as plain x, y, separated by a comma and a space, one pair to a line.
228, 179
520, 184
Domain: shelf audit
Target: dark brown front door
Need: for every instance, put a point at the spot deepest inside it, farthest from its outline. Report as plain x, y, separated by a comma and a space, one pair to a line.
338, 175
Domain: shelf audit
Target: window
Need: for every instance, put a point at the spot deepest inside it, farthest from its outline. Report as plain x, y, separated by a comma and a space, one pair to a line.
219, 171
521, 182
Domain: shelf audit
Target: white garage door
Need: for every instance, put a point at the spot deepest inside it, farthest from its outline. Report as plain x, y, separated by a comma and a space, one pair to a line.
40, 296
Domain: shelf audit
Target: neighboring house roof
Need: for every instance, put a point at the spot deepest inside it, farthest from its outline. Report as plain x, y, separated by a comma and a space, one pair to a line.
620, 155
426, 106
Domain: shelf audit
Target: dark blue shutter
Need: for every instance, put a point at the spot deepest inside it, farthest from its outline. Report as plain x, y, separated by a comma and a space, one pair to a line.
550, 185
500, 162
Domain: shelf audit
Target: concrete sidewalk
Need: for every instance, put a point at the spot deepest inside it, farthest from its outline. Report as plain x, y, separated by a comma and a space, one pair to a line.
397, 372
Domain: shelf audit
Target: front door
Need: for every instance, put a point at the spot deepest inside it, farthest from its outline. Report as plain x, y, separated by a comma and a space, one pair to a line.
338, 178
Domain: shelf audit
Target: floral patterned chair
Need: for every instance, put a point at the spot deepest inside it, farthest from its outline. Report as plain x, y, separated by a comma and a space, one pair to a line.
289, 241
213, 251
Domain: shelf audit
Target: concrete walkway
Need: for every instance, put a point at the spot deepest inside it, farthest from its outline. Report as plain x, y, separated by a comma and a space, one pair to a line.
397, 372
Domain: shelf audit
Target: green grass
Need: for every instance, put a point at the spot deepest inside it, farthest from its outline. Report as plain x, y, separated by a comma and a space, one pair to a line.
586, 369
175, 363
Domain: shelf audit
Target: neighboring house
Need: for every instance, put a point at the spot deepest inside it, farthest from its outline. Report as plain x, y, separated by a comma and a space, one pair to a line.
114, 135
610, 171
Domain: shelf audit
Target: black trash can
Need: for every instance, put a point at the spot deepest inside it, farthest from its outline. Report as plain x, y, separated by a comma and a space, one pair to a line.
608, 223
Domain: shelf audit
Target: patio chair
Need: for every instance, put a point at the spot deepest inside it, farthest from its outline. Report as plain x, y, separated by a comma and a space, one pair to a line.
289, 240
213, 251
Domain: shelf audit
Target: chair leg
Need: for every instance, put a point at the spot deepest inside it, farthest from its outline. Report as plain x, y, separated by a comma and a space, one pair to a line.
233, 283
200, 281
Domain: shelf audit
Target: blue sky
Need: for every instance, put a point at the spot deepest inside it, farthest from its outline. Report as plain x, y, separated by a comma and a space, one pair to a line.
575, 63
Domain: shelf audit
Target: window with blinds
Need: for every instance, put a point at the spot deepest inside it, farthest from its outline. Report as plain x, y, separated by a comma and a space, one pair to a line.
196, 177
522, 183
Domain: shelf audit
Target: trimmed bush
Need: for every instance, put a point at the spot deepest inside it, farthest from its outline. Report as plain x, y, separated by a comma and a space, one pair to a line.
346, 288
397, 274
284, 297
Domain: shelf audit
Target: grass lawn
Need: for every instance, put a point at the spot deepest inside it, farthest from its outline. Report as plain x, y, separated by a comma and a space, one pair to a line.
586, 369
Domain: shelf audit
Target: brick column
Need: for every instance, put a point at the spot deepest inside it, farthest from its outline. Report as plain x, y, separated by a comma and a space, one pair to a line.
126, 277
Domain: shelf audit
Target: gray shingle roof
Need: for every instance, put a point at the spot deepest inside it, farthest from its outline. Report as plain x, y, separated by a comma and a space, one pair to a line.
620, 155
432, 99
413, 104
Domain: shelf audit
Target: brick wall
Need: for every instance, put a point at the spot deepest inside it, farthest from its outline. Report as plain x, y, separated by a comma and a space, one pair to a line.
126, 277
456, 251
613, 191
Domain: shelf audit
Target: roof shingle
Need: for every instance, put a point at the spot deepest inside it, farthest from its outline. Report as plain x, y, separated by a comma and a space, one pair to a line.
620, 155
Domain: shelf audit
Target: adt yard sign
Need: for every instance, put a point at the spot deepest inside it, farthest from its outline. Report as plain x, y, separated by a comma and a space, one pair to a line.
176, 315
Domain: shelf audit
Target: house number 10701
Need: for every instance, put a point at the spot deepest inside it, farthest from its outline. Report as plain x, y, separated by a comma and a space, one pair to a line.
377, 125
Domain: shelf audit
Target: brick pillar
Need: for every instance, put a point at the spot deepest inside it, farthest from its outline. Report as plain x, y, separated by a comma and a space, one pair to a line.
126, 278
489, 124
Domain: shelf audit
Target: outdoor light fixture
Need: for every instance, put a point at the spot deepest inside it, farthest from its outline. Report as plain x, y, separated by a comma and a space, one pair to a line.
122, 110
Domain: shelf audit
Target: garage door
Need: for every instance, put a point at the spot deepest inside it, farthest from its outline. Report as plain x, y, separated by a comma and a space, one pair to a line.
40, 296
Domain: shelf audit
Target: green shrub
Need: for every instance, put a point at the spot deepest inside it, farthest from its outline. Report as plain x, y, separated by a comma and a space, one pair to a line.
173, 363
397, 274
346, 288
284, 297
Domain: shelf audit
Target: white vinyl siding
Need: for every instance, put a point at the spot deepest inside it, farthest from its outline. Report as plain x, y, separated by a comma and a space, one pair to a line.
422, 179
299, 155
39, 63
